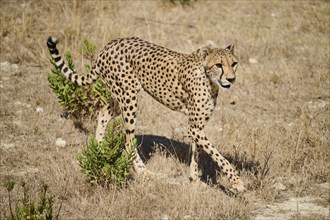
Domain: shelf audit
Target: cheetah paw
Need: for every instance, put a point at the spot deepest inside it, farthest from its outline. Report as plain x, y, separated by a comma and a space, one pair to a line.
238, 187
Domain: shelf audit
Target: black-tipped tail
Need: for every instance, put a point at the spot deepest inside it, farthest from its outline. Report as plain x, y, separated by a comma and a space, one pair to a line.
73, 77
51, 42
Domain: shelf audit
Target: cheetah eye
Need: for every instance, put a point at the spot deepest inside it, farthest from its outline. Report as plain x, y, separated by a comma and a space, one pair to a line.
234, 64
219, 65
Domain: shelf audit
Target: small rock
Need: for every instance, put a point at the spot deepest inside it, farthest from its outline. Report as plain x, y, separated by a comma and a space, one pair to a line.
164, 217
253, 61
316, 105
39, 109
14, 66
60, 142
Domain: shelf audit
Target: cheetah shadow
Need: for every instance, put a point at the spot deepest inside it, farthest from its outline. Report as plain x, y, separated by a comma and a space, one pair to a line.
149, 144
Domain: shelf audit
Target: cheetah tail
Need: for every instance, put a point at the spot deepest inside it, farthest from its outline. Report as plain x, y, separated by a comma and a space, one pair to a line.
86, 79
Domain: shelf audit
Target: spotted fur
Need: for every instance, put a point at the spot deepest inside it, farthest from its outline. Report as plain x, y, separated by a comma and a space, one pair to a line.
188, 83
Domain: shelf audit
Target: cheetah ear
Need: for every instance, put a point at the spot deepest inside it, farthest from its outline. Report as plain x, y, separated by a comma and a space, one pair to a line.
230, 47
204, 51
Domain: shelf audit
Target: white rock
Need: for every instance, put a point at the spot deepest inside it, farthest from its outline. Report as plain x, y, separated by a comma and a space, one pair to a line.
187, 217
316, 105
253, 60
39, 109
14, 66
60, 142
164, 217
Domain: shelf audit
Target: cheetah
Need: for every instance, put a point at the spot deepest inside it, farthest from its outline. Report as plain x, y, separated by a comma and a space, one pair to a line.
188, 83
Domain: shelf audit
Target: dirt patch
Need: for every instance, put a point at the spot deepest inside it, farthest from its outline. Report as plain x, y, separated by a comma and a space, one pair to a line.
303, 207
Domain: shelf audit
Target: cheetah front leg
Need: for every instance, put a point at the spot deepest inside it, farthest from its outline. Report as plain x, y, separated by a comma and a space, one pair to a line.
201, 140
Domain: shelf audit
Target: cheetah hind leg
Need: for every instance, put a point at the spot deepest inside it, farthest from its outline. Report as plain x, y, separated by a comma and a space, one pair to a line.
129, 118
129, 111
194, 163
108, 113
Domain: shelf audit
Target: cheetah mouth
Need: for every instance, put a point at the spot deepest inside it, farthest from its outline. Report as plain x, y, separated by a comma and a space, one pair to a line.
226, 86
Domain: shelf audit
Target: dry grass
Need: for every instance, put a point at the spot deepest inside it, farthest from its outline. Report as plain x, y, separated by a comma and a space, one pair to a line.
273, 124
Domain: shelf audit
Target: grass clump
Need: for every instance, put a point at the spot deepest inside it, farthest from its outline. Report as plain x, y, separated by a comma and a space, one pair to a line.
78, 101
107, 162
29, 208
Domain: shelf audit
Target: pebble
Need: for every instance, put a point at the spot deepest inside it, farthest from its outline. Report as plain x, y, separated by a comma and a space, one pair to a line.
253, 61
164, 217
39, 109
14, 66
60, 142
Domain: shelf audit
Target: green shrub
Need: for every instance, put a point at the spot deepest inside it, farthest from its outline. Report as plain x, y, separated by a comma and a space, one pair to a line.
29, 208
78, 101
107, 162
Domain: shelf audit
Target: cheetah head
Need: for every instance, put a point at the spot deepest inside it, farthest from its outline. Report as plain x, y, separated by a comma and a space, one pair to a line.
220, 65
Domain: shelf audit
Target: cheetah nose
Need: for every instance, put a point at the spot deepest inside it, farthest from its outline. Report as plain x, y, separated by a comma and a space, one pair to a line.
231, 80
